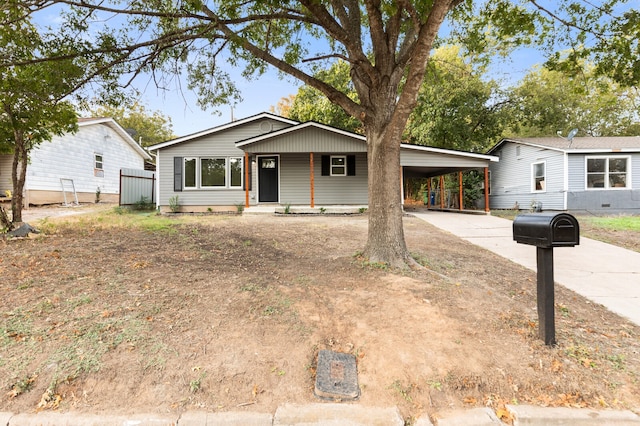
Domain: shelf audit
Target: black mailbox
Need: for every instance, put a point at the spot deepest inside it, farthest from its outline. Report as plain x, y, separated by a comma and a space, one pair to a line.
546, 230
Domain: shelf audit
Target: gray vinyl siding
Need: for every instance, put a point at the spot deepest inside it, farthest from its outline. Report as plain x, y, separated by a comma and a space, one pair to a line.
219, 144
419, 158
602, 200
511, 178
6, 164
308, 140
295, 179
337, 190
295, 182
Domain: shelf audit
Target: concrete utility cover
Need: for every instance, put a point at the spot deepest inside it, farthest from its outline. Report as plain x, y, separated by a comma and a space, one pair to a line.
336, 376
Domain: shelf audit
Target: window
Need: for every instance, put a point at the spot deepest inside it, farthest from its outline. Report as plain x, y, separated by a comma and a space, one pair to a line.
235, 172
607, 172
206, 172
213, 172
190, 170
98, 165
538, 176
338, 165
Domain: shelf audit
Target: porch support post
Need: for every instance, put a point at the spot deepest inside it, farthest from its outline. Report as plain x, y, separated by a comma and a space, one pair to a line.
460, 198
428, 193
401, 186
246, 179
312, 181
442, 191
486, 189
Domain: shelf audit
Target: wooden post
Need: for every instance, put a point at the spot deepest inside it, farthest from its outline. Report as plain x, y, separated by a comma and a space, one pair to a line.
442, 191
429, 193
312, 180
246, 179
486, 189
460, 198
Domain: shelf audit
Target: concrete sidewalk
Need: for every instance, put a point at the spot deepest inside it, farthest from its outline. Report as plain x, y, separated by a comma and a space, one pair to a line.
603, 273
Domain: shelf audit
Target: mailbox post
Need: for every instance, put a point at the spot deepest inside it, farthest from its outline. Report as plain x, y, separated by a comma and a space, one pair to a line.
546, 231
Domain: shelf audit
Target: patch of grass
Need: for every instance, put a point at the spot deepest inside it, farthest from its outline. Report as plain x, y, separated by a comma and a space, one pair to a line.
582, 354
615, 223
404, 391
505, 214
618, 361
195, 385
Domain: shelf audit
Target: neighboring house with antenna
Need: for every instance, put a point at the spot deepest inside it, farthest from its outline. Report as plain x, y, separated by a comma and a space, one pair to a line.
596, 174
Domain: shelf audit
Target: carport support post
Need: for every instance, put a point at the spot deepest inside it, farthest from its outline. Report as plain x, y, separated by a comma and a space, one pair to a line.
486, 189
546, 299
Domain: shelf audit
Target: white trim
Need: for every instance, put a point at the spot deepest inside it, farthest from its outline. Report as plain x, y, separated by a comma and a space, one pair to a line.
258, 177
295, 128
331, 165
606, 187
157, 180
184, 174
570, 150
491, 158
227, 173
221, 128
226, 169
543, 183
111, 123
565, 187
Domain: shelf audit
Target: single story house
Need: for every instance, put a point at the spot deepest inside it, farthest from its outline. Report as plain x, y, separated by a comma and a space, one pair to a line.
270, 160
85, 162
597, 174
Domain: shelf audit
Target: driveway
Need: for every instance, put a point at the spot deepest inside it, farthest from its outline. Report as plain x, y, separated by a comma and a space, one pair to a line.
603, 273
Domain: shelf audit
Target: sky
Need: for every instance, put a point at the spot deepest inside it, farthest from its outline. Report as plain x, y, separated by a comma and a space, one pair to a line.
264, 92
259, 94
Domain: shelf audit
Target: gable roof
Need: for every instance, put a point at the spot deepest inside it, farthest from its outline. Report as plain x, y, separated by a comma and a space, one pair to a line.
221, 128
604, 144
297, 127
113, 125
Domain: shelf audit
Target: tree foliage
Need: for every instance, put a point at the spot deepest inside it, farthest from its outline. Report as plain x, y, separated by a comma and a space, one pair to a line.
310, 104
32, 105
458, 108
387, 45
548, 101
147, 127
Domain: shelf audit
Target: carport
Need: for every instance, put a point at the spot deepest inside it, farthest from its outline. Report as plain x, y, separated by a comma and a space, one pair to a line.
427, 162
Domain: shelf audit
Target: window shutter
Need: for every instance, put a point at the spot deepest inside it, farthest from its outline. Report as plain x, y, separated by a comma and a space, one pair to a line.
326, 165
351, 165
177, 174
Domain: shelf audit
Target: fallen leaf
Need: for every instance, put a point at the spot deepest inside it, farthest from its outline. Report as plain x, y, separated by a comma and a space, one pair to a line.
504, 415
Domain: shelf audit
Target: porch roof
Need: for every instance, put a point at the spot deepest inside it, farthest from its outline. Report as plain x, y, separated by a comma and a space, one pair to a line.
416, 160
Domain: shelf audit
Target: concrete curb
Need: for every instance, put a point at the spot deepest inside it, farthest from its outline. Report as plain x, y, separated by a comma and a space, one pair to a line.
333, 414
472, 416
532, 415
336, 415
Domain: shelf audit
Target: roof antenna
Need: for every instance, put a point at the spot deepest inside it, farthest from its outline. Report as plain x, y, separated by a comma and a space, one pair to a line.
569, 137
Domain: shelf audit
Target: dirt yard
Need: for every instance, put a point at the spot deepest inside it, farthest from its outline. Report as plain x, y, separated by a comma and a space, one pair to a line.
124, 313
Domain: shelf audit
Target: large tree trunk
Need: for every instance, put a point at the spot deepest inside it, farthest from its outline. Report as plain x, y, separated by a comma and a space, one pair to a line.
18, 176
385, 242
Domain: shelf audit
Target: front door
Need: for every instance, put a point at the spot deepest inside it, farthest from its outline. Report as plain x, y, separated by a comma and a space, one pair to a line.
268, 179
